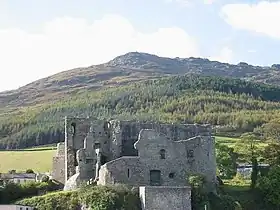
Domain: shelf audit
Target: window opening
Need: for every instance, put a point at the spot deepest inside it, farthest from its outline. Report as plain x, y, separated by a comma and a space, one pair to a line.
128, 173
190, 154
162, 154
171, 175
155, 177
73, 128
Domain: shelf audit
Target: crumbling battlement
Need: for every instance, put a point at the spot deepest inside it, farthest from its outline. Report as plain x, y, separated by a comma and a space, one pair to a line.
116, 139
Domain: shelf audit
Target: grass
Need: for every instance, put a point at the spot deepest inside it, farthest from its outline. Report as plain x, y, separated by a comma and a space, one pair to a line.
226, 140
229, 141
37, 159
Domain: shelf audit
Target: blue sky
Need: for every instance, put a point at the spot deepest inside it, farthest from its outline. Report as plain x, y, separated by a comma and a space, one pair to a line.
40, 38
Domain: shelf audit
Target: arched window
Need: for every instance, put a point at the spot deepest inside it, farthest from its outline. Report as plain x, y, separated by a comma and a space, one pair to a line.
73, 128
162, 153
107, 126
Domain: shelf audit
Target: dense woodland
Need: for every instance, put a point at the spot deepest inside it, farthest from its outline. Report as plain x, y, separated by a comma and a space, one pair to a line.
232, 105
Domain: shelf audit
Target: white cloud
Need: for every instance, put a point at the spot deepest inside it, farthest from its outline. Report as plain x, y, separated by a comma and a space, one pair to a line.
209, 1
186, 3
66, 43
252, 51
180, 2
262, 17
225, 55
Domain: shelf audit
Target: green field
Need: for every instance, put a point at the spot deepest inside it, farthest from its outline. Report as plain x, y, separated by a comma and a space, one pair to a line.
231, 141
226, 140
38, 159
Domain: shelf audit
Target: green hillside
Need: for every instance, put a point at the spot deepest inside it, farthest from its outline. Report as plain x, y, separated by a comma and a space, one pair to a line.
234, 105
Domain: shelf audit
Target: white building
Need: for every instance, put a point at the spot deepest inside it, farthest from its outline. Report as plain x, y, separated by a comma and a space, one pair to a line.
246, 169
15, 207
18, 178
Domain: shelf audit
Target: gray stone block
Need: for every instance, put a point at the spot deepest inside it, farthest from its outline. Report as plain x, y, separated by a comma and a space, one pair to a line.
165, 198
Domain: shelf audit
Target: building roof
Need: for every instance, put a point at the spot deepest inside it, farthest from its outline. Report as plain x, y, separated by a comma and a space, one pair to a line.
18, 176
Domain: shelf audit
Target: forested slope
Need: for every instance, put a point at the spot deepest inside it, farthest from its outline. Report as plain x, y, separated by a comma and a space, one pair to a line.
233, 104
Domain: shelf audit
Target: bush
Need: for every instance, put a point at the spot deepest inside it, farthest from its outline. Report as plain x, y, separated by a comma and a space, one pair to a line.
201, 197
239, 180
12, 192
57, 200
29, 171
222, 202
110, 197
96, 198
269, 188
198, 193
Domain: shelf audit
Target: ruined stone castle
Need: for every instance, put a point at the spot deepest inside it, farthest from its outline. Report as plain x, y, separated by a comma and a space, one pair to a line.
145, 155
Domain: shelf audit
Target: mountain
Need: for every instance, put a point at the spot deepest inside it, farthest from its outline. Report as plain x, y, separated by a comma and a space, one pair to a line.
131, 67
233, 105
140, 86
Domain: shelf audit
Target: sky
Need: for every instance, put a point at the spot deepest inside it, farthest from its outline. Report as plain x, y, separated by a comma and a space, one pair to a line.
39, 38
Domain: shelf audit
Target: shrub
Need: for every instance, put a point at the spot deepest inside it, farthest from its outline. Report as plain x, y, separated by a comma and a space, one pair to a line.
110, 197
57, 200
96, 198
198, 193
29, 171
269, 188
201, 197
238, 180
12, 192
222, 202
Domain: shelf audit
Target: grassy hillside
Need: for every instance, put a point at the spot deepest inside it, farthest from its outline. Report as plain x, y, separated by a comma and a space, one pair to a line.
231, 104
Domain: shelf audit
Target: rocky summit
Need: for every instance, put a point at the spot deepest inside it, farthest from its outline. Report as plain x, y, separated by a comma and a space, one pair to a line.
127, 68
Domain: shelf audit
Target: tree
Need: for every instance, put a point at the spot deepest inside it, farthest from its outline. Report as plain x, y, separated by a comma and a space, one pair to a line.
199, 193
29, 171
226, 160
271, 130
271, 154
248, 147
269, 187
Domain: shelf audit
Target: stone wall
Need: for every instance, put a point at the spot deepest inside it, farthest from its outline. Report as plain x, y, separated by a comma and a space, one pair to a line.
129, 132
58, 169
118, 141
165, 198
76, 131
125, 170
180, 159
205, 160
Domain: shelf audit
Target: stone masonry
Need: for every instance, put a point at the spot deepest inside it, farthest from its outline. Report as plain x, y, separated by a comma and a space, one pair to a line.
165, 198
135, 153
162, 162
59, 163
